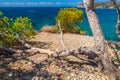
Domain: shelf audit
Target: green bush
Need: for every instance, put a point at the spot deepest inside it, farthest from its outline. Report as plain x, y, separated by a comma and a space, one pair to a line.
78, 30
11, 30
70, 18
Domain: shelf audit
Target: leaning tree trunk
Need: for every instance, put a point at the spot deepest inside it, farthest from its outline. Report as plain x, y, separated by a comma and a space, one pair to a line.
104, 62
118, 12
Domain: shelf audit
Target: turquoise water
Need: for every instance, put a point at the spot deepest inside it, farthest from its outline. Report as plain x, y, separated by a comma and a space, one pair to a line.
108, 20
41, 16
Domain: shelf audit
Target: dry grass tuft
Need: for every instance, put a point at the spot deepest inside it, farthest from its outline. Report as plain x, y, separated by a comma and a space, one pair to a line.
50, 29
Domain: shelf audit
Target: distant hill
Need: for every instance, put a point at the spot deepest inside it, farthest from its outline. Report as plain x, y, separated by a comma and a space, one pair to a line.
101, 5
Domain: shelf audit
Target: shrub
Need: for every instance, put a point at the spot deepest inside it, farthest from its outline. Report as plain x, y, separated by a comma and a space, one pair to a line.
11, 30
69, 19
78, 30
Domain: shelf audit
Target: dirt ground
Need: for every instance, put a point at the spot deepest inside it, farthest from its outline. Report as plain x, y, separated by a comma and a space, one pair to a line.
38, 66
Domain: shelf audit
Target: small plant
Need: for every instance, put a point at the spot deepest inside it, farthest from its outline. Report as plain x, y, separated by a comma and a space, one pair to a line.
50, 29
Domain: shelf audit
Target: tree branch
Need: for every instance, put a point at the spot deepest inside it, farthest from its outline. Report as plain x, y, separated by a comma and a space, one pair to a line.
62, 38
81, 50
23, 42
9, 50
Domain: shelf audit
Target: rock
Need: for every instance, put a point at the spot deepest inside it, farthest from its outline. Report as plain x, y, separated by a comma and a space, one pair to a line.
36, 78
119, 67
10, 74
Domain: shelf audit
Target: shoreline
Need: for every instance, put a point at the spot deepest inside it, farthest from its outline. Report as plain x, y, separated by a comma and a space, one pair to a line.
87, 34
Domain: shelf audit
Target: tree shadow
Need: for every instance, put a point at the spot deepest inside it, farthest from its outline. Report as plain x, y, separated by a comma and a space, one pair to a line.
7, 73
42, 45
84, 64
38, 70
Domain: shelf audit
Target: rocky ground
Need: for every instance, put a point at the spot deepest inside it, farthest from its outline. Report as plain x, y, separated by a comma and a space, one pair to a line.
38, 66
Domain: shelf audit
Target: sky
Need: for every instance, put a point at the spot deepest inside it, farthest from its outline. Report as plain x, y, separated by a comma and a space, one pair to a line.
24, 3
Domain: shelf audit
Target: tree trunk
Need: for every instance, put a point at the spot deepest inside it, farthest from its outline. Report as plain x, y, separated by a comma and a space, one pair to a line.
118, 12
103, 60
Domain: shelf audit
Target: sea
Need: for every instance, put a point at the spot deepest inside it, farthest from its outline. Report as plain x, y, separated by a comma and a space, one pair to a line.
43, 16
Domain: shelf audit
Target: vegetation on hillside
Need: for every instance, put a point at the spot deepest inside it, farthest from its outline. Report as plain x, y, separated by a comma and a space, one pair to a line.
101, 4
105, 4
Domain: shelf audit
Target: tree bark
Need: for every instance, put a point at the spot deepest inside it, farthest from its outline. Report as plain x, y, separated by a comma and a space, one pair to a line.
104, 63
